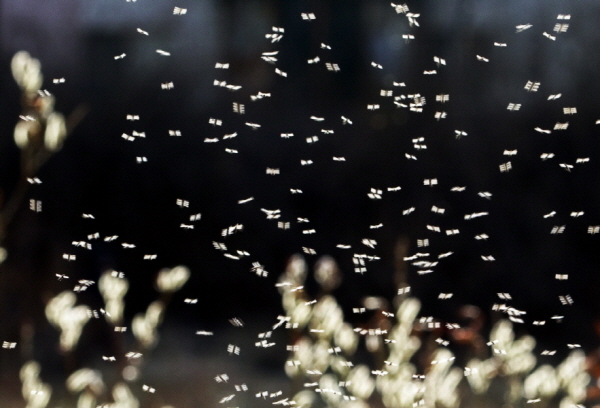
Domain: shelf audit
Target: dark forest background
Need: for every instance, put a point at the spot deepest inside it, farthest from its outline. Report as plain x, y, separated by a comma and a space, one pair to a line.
96, 171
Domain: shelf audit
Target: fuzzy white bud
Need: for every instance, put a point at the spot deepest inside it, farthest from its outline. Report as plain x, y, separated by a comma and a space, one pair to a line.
56, 131
171, 280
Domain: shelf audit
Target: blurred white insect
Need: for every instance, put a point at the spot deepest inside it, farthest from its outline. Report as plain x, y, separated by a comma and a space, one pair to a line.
242, 387
369, 242
531, 86
408, 211
546, 156
375, 194
412, 19
443, 98
560, 28
437, 210
332, 67
35, 205
561, 126
566, 300
523, 27
566, 166
475, 215
226, 399
236, 322
239, 108
308, 16
233, 349
259, 269
400, 9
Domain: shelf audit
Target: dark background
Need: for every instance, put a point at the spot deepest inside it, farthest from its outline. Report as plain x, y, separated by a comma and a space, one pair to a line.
96, 170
